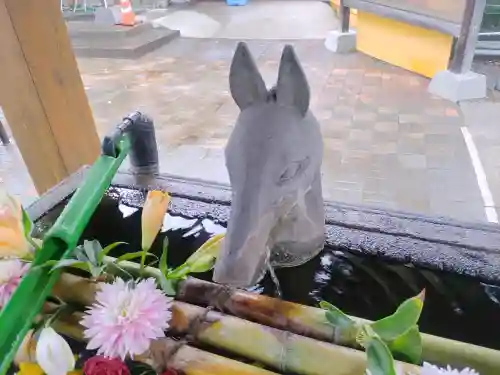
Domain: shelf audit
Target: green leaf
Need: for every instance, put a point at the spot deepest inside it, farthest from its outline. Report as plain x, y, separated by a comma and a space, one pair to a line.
121, 270
408, 347
336, 317
27, 223
179, 273
107, 249
79, 253
92, 250
131, 256
169, 286
36, 243
74, 263
204, 263
203, 259
380, 361
405, 317
163, 259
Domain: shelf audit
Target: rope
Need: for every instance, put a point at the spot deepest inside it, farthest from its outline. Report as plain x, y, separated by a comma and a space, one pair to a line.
162, 355
219, 297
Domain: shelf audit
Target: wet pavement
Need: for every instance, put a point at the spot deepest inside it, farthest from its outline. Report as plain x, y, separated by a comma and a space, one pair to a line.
388, 143
306, 19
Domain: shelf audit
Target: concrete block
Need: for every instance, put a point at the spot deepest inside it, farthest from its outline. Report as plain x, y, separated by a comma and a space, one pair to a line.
107, 16
122, 43
337, 41
458, 87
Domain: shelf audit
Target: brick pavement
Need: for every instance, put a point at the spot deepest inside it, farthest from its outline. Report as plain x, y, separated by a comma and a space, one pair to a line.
387, 141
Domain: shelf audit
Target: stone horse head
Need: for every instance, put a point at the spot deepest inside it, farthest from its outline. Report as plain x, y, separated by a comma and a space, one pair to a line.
273, 157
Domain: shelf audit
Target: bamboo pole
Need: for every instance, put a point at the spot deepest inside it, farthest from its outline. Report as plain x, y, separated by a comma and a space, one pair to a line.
282, 350
311, 322
186, 359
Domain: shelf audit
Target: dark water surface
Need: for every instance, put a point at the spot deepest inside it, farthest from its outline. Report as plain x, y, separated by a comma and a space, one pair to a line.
456, 307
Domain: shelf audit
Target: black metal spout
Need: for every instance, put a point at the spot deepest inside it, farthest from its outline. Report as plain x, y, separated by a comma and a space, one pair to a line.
144, 150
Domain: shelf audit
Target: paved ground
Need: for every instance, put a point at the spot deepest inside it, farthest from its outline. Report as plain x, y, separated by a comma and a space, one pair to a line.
387, 141
306, 19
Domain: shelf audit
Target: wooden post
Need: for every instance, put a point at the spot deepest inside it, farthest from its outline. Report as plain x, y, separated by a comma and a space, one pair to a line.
41, 92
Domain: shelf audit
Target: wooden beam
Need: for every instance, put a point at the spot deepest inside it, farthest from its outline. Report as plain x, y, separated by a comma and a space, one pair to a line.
41, 92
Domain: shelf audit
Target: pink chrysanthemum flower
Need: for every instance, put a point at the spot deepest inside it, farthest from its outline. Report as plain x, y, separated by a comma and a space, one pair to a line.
126, 317
11, 272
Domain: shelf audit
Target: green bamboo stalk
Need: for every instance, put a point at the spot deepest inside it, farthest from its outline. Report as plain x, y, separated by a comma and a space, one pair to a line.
311, 322
281, 350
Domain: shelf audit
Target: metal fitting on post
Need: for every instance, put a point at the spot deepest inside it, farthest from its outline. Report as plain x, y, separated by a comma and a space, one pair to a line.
143, 148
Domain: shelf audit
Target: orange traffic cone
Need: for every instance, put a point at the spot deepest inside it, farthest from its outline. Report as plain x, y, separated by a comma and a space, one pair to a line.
127, 14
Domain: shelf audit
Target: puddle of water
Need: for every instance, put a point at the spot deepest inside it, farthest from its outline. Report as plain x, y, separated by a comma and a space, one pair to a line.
456, 307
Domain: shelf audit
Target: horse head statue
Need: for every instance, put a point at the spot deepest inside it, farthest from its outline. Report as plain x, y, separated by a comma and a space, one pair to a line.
273, 157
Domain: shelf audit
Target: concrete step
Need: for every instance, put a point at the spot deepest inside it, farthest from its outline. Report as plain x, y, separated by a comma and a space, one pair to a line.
89, 30
127, 44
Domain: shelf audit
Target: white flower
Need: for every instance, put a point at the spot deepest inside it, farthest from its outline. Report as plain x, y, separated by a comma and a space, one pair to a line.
428, 369
126, 317
53, 353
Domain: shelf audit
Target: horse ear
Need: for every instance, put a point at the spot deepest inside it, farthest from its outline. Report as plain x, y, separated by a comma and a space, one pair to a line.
292, 89
245, 82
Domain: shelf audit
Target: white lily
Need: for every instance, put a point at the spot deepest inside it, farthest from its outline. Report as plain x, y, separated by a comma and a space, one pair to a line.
53, 353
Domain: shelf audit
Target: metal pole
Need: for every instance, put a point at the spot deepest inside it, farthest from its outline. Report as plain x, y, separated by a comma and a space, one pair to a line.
463, 53
345, 14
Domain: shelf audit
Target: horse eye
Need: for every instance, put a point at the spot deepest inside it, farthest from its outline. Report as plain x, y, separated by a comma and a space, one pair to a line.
293, 170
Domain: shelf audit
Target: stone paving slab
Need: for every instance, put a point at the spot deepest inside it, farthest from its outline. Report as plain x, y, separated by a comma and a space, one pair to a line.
388, 143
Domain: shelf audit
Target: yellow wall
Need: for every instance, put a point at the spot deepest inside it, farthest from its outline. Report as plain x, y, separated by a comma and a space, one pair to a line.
414, 48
